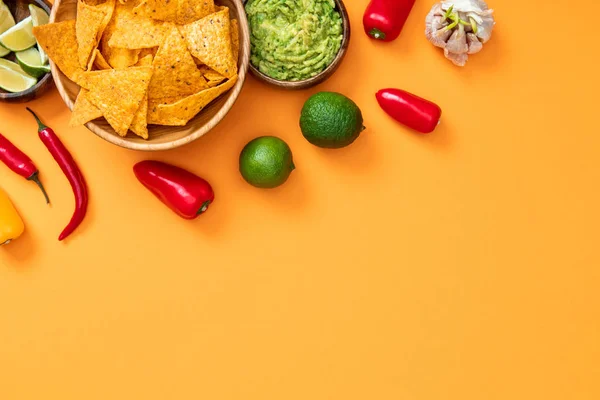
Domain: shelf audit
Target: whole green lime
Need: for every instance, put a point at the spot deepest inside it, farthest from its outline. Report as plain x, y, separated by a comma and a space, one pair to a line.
266, 162
331, 120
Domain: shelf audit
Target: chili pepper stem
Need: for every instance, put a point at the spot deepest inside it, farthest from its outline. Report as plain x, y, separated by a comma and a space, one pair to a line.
41, 126
35, 178
203, 207
377, 34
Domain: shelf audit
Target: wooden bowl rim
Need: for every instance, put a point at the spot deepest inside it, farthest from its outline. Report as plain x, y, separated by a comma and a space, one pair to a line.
326, 73
232, 94
14, 97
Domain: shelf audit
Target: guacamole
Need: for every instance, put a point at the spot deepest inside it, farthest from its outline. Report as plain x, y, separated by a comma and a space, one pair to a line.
293, 40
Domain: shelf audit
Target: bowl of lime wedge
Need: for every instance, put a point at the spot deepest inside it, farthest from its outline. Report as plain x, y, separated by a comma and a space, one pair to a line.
24, 67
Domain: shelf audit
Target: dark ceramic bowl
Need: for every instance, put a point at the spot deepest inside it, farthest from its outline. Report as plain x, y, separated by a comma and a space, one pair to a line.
327, 72
20, 10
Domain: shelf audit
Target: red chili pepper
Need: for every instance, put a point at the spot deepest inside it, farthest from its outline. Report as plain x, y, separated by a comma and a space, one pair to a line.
384, 19
413, 111
19, 163
183, 192
68, 166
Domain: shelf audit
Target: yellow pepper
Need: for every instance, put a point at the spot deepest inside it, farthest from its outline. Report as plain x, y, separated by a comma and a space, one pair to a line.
11, 224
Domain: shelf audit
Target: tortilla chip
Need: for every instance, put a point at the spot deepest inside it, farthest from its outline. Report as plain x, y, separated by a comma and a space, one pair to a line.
83, 110
212, 77
118, 57
60, 43
150, 51
108, 6
135, 31
99, 60
209, 40
90, 65
193, 10
179, 113
235, 39
88, 23
175, 73
118, 93
139, 125
162, 10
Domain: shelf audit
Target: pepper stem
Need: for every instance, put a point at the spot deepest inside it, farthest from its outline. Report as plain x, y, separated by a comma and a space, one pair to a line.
377, 34
41, 126
203, 207
35, 178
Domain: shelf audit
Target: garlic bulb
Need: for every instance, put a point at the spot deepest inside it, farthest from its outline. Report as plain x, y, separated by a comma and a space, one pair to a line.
460, 27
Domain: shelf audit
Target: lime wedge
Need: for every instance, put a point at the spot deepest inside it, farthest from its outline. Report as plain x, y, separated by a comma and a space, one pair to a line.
39, 17
14, 82
19, 37
5, 64
6, 19
6, 22
31, 62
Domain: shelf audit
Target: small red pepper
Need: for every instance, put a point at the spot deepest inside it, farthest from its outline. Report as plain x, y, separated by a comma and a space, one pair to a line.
413, 111
180, 190
384, 19
19, 163
67, 164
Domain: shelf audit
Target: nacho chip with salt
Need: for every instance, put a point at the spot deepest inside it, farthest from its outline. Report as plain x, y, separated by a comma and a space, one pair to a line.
88, 23
134, 31
60, 44
108, 6
193, 10
209, 40
99, 61
212, 77
179, 113
162, 10
118, 57
175, 73
118, 93
83, 110
235, 39
139, 125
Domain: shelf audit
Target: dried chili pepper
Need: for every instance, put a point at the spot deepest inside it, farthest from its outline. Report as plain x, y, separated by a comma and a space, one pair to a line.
413, 111
19, 163
68, 166
384, 19
183, 192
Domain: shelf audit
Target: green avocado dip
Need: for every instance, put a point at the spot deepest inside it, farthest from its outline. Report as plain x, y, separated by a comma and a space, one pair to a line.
293, 40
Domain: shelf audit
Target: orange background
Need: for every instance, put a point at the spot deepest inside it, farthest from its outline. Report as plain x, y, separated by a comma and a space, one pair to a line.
459, 265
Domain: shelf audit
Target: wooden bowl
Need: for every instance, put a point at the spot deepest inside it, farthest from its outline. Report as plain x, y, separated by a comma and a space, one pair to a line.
20, 10
161, 137
327, 72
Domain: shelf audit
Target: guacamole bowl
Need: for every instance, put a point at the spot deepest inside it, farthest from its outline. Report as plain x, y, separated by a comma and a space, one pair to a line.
321, 76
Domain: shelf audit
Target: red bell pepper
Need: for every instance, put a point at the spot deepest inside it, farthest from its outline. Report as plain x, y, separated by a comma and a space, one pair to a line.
384, 19
183, 192
413, 111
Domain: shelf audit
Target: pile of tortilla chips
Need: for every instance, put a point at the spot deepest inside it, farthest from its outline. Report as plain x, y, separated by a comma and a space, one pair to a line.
142, 62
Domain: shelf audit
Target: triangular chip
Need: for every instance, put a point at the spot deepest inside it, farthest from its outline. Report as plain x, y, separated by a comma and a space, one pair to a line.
92, 61
108, 7
118, 57
162, 10
83, 110
175, 73
193, 10
139, 125
209, 40
212, 77
118, 93
88, 23
133, 31
60, 44
99, 61
179, 113
235, 39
